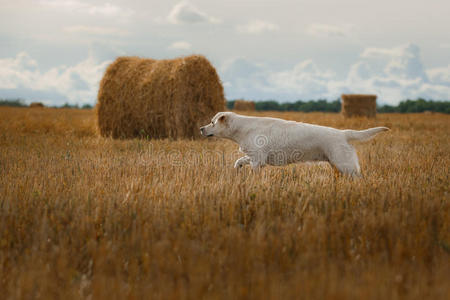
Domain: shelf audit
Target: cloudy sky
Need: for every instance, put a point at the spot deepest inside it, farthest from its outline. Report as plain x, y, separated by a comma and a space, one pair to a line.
56, 51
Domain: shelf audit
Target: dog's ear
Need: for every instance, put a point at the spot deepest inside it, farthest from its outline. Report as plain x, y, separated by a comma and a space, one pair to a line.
223, 119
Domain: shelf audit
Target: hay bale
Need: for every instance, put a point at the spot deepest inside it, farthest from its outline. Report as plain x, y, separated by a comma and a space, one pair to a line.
354, 105
158, 98
36, 104
244, 105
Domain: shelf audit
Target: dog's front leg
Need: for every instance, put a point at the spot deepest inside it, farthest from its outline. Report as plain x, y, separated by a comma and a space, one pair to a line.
258, 160
256, 165
245, 160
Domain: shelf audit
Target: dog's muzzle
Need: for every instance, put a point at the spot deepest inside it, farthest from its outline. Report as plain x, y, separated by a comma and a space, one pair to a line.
203, 132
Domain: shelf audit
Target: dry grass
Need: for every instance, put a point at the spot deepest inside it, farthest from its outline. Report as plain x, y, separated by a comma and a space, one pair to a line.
141, 97
88, 217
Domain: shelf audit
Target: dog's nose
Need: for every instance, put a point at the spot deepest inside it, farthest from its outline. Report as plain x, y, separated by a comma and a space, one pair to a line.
202, 129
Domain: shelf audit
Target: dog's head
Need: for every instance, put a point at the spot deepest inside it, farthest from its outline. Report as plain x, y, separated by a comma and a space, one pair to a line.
219, 126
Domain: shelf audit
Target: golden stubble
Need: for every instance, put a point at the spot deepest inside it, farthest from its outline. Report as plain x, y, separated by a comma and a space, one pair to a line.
83, 216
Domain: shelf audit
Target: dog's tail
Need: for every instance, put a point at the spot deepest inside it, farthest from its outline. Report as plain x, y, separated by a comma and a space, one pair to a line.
363, 135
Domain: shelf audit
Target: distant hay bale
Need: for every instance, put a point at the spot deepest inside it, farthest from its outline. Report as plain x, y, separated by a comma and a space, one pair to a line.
354, 105
158, 98
244, 105
36, 104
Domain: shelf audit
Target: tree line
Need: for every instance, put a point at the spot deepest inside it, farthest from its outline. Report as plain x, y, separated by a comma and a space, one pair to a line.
21, 103
406, 106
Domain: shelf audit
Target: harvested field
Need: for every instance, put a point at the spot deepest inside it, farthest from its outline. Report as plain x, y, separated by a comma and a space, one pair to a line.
87, 217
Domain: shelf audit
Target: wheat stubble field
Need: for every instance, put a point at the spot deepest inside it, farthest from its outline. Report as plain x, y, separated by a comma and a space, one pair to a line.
84, 217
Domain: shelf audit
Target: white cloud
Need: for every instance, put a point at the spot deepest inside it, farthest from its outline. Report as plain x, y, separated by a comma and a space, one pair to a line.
360, 70
95, 30
440, 75
257, 27
180, 45
186, 13
67, 4
382, 52
401, 62
305, 78
394, 74
109, 10
77, 84
105, 10
326, 30
244, 79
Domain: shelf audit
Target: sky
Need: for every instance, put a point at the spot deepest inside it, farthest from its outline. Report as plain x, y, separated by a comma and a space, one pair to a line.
56, 51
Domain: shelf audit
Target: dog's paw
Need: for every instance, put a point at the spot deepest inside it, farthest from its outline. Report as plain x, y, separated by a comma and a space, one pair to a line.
241, 162
238, 164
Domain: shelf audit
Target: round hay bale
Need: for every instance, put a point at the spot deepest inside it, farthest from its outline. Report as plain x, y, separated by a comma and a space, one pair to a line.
244, 105
354, 105
36, 104
158, 98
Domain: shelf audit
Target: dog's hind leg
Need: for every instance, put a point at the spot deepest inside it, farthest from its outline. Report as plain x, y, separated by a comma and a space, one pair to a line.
345, 160
335, 171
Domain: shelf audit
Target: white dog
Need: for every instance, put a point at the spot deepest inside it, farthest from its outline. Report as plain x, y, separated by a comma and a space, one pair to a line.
279, 142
